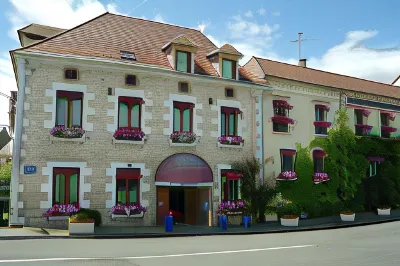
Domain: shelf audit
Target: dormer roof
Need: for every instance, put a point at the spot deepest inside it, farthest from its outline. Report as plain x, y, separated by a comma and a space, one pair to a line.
226, 49
180, 40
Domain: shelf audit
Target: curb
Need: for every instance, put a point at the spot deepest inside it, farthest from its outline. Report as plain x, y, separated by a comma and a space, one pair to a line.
164, 235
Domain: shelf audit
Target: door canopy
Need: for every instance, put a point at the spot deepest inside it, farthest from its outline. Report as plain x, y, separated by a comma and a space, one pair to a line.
184, 168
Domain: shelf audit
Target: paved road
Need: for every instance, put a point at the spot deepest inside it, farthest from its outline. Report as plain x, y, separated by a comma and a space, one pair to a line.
369, 245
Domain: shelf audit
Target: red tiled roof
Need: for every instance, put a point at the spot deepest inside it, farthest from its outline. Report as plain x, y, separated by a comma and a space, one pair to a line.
323, 78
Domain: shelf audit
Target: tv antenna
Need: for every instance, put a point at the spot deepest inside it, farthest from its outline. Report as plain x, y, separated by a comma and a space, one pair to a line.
299, 40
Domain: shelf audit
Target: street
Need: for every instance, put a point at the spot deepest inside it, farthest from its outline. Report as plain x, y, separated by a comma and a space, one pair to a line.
367, 245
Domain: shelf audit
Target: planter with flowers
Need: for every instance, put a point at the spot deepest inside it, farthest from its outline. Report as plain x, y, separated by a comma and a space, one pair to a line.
64, 134
234, 211
61, 212
81, 223
384, 210
365, 129
183, 139
320, 178
287, 176
289, 214
347, 216
230, 142
128, 135
131, 210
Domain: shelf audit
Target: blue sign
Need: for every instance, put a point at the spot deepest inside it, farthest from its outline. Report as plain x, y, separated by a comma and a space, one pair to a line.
29, 169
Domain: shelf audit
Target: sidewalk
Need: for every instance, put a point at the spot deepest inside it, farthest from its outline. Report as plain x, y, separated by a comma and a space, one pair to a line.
325, 223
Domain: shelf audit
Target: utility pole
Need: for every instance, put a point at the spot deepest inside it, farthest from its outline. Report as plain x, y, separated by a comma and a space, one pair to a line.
299, 40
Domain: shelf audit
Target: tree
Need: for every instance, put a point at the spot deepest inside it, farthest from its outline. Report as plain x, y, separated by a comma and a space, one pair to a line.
5, 171
257, 196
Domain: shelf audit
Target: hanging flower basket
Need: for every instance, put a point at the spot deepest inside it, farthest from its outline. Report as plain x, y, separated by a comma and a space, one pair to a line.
282, 104
183, 137
366, 112
236, 140
287, 176
62, 210
365, 128
320, 178
231, 207
126, 133
388, 129
280, 119
323, 124
128, 209
69, 133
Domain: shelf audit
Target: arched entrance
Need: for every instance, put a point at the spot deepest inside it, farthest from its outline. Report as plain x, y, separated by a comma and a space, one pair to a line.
184, 183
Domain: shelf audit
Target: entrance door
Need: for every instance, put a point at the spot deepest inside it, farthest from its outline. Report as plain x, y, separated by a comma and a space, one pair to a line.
162, 204
191, 206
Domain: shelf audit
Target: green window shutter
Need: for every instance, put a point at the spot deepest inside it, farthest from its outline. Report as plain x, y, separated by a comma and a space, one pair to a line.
223, 125
186, 120
135, 119
73, 189
177, 119
223, 181
123, 115
60, 189
182, 61
133, 190
239, 190
231, 125
121, 191
76, 112
227, 69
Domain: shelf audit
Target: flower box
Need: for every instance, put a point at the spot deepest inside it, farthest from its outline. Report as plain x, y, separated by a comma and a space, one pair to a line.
347, 216
67, 133
385, 211
320, 178
76, 140
221, 145
235, 207
127, 210
323, 124
61, 210
128, 135
365, 128
388, 129
287, 176
185, 138
81, 227
178, 144
131, 142
137, 215
231, 140
290, 220
280, 119
58, 218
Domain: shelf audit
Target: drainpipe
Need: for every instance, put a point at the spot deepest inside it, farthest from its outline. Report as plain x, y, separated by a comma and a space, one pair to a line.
17, 143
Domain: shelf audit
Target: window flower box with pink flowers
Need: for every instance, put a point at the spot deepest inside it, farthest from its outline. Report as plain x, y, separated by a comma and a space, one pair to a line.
388, 129
61, 211
366, 129
323, 124
183, 139
129, 136
131, 210
320, 178
280, 119
64, 134
234, 207
287, 176
231, 141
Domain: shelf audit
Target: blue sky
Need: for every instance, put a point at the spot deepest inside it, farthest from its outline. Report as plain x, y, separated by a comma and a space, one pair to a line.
349, 34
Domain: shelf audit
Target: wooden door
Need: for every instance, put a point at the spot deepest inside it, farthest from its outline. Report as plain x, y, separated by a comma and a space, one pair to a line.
191, 206
162, 204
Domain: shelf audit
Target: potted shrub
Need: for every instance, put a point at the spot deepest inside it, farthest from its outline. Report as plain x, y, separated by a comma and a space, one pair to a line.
347, 216
81, 223
384, 210
289, 215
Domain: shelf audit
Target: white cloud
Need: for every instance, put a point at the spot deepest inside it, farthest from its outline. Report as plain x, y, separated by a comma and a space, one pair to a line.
159, 18
261, 11
249, 14
276, 14
203, 25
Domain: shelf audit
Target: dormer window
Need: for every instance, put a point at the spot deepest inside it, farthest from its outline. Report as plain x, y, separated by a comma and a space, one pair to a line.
183, 61
228, 69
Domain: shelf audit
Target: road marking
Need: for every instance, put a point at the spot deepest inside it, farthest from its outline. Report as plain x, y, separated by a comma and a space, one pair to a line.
157, 256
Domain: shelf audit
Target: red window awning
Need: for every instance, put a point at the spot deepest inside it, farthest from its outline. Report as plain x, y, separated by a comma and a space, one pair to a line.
230, 110
231, 175
323, 106
281, 104
128, 173
130, 100
288, 152
319, 153
376, 159
70, 95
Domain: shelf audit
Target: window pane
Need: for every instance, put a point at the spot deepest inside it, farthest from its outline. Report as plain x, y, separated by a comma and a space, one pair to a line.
123, 115
316, 114
231, 125
182, 61
186, 120
227, 69
73, 189
231, 191
133, 190
223, 182
177, 119
223, 125
235, 189
287, 163
76, 112
121, 191
62, 111
318, 165
239, 192
135, 116
60, 189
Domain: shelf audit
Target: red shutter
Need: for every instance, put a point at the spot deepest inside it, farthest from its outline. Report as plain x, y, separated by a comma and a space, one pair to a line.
70, 95
319, 153
288, 152
128, 173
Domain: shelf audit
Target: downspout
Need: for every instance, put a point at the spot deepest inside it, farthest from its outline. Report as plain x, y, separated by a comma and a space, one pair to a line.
15, 174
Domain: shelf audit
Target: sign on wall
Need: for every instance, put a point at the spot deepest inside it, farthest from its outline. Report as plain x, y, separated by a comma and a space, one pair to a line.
29, 169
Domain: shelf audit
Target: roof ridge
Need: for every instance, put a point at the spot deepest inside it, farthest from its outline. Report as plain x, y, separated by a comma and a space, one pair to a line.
332, 73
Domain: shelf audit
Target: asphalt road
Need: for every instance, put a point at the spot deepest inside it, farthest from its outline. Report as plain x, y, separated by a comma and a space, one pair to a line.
368, 245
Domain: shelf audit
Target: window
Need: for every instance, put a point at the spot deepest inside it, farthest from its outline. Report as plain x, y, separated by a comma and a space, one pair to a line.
281, 109
372, 168
229, 121
229, 92
385, 123
130, 80
69, 108
128, 185
318, 158
230, 186
129, 112
287, 160
228, 69
183, 117
183, 87
359, 120
183, 61
65, 185
71, 73
321, 115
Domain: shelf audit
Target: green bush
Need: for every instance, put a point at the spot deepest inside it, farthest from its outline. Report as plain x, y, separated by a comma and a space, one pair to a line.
92, 214
81, 216
288, 209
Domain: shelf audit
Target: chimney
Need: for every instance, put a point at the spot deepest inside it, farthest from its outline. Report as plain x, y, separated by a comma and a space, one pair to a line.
302, 62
